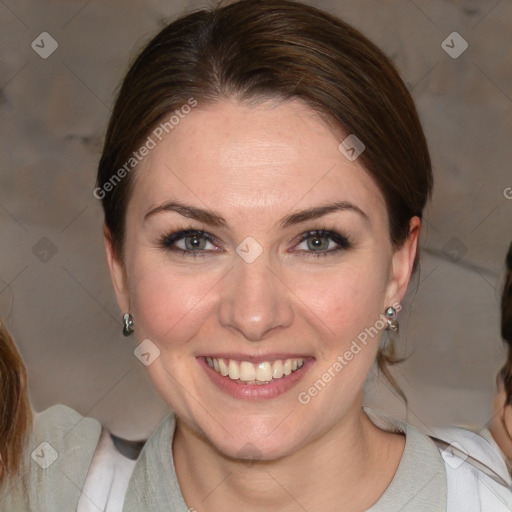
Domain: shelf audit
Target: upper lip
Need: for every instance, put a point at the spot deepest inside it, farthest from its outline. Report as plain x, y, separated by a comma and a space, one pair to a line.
256, 358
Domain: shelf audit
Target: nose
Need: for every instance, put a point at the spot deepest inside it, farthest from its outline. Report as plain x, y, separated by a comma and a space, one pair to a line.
255, 300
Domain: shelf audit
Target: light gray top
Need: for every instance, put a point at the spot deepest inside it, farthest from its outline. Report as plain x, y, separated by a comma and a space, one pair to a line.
418, 485
58, 454
63, 443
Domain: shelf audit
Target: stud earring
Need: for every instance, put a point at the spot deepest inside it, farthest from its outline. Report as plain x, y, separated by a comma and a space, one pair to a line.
128, 324
390, 315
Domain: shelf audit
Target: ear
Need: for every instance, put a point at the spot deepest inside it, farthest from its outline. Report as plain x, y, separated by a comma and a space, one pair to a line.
117, 273
402, 264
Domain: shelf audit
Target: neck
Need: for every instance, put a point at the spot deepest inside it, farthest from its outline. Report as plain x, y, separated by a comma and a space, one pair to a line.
331, 469
500, 433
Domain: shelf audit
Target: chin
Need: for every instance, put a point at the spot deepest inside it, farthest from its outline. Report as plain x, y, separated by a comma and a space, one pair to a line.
258, 440
256, 449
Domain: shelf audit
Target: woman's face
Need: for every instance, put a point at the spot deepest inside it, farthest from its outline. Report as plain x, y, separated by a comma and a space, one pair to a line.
255, 246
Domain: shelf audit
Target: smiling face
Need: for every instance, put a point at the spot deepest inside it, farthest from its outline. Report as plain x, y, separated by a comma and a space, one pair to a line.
255, 248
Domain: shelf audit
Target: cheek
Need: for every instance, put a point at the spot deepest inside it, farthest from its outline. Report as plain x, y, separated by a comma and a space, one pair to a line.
168, 305
346, 301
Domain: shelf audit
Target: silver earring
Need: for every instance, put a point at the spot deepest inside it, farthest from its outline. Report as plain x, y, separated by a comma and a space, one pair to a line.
391, 319
128, 324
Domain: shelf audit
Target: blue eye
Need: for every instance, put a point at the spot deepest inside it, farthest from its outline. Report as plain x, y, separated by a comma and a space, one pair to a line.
190, 241
322, 242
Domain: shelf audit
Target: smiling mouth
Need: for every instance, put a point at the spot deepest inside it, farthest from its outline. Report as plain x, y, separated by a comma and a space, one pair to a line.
246, 372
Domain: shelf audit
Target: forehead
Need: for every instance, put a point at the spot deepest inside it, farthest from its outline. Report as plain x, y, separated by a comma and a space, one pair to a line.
272, 155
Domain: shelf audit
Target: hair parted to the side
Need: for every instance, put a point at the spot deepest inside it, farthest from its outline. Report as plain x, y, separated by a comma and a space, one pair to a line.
256, 50
506, 326
15, 410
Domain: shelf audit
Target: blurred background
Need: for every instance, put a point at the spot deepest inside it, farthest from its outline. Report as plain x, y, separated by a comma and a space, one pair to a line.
60, 64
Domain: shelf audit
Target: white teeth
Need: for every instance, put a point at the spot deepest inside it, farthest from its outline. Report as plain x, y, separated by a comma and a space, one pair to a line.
223, 367
277, 370
250, 373
264, 372
247, 371
234, 370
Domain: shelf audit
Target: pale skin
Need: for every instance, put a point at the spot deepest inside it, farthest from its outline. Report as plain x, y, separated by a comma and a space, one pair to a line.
502, 422
254, 166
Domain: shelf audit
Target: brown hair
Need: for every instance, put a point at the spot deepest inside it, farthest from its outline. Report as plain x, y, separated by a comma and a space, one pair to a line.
506, 326
253, 50
15, 411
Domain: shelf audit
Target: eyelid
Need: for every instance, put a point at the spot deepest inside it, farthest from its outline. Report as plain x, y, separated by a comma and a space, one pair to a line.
178, 234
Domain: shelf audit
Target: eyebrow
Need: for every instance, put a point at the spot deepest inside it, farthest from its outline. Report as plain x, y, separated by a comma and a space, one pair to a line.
213, 218
203, 215
320, 211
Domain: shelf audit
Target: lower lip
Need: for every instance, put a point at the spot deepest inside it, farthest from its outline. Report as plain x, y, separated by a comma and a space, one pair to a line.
238, 389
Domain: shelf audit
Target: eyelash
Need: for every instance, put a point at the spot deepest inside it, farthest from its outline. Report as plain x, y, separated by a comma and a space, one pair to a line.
343, 242
167, 241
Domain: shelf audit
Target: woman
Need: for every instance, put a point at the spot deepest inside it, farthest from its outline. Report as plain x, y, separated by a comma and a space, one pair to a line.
15, 413
263, 180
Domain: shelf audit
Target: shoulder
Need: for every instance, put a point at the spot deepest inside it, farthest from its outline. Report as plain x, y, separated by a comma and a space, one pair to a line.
420, 480
63, 440
468, 472
476, 472
63, 424
58, 453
